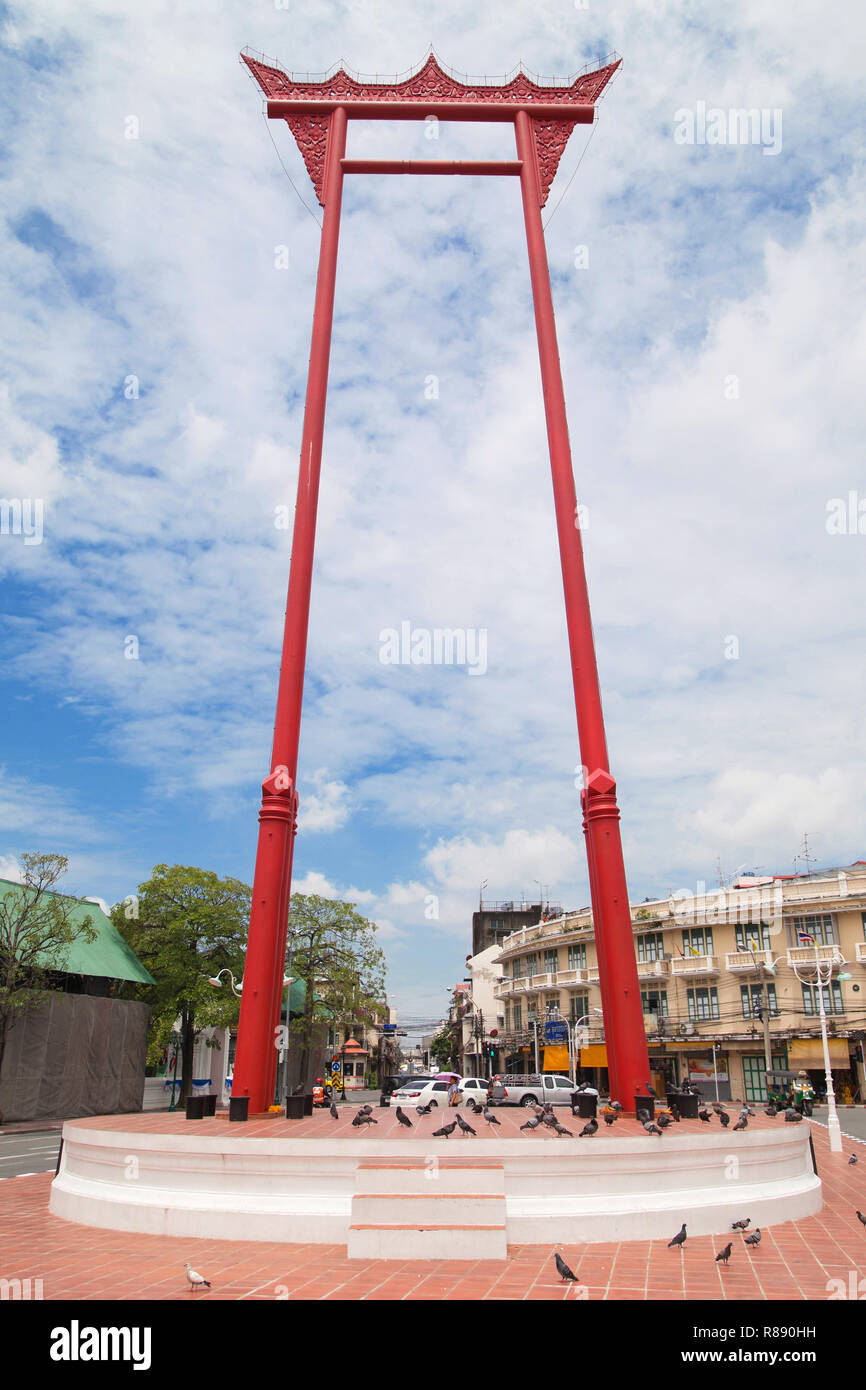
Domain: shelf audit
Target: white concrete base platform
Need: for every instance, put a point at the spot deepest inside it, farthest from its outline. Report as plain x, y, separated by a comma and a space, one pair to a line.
419, 1197
451, 1213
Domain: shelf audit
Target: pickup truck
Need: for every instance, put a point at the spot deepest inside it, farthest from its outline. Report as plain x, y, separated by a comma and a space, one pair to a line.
534, 1090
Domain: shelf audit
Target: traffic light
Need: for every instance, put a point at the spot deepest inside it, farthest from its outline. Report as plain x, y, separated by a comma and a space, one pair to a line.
858, 1052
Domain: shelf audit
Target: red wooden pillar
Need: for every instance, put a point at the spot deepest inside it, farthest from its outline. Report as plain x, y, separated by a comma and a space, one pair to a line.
256, 1059
624, 1030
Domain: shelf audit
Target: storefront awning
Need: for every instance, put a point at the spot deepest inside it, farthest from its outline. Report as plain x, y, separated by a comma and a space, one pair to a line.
556, 1059
807, 1054
594, 1056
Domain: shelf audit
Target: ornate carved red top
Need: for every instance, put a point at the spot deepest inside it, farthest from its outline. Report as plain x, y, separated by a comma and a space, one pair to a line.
431, 83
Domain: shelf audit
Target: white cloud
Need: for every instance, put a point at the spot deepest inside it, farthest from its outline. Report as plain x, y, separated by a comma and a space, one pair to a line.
707, 514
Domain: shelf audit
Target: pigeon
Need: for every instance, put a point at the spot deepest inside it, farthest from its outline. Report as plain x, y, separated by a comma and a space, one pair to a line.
679, 1238
334, 1111
742, 1123
196, 1281
560, 1129
532, 1124
404, 1120
589, 1129
490, 1117
852, 1159
861, 1218
444, 1132
366, 1109
423, 1109
362, 1119
719, 1109
609, 1118
663, 1121
725, 1119
741, 1225
464, 1127
793, 1116
705, 1116
563, 1270
651, 1128
725, 1255
675, 1112
754, 1238
550, 1120
771, 1111
615, 1105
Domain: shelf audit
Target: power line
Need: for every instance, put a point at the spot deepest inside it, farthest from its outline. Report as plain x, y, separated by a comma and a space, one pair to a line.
286, 172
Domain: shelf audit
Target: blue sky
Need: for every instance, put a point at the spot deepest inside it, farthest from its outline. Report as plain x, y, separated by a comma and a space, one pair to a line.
153, 371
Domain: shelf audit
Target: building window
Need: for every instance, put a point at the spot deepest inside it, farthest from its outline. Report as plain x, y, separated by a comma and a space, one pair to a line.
832, 1001
698, 941
530, 964
821, 928
751, 999
753, 936
578, 1006
654, 1001
551, 962
651, 947
703, 1003
518, 1017
507, 1019
577, 957
497, 924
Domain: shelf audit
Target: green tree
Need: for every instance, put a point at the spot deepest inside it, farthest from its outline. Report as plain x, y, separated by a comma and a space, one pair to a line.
190, 925
443, 1048
333, 949
36, 931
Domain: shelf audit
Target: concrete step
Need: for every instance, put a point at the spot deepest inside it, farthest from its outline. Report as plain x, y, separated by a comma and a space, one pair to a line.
427, 1242
428, 1208
428, 1178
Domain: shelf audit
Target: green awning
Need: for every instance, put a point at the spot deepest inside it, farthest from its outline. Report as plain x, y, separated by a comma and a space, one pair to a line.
106, 955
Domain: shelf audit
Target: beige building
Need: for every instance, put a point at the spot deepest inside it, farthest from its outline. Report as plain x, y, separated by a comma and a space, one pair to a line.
726, 976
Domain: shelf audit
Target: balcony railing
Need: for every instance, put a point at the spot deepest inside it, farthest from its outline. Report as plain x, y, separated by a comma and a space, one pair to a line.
805, 955
747, 962
695, 966
652, 969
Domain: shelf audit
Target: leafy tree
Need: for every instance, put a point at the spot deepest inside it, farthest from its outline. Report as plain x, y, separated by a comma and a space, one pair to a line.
333, 949
37, 929
443, 1048
190, 925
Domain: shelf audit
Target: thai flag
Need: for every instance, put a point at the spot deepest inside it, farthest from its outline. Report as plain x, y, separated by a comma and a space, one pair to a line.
804, 938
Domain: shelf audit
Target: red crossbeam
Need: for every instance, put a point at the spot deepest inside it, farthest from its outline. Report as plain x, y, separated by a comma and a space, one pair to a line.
373, 110
431, 166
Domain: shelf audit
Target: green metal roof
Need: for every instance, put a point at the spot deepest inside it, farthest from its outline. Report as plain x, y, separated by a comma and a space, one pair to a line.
107, 954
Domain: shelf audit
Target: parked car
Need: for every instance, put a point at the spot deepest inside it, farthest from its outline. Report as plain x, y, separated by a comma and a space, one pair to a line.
397, 1083
474, 1088
420, 1091
532, 1089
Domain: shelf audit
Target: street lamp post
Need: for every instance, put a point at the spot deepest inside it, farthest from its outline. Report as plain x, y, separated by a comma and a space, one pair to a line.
821, 983
572, 1040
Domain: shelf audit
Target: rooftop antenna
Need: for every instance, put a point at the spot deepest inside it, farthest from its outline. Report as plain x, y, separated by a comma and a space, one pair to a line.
481, 895
805, 856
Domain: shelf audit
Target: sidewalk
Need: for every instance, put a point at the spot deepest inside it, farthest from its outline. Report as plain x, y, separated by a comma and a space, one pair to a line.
793, 1261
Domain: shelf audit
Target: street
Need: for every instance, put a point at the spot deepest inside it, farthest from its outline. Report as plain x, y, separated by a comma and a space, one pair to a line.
30, 1151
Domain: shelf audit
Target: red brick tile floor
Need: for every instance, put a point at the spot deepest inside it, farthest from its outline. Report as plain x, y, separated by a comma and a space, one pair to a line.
793, 1261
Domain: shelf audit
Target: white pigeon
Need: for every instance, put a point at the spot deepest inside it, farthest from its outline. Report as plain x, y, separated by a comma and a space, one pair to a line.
196, 1280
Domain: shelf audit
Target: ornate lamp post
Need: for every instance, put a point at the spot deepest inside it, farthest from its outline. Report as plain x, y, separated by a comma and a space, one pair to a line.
821, 982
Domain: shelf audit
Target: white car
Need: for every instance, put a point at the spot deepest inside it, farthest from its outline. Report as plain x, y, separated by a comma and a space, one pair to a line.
436, 1092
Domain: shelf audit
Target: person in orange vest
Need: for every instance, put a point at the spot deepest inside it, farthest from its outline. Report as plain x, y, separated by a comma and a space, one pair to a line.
319, 1092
